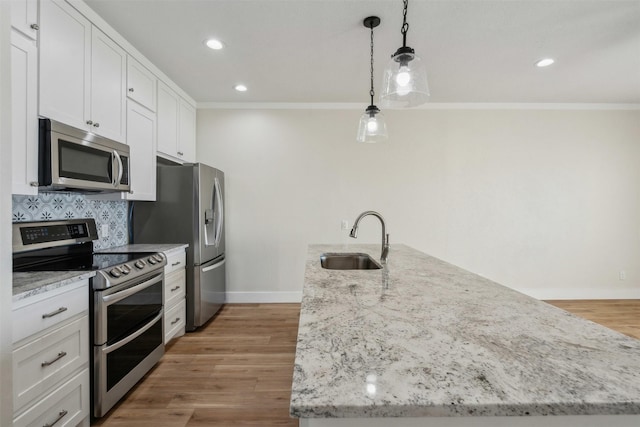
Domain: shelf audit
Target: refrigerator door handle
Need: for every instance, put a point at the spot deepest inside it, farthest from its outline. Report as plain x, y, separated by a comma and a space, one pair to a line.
214, 266
220, 216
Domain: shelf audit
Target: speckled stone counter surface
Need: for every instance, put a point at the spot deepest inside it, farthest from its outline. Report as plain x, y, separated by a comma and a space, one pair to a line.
145, 247
29, 284
423, 338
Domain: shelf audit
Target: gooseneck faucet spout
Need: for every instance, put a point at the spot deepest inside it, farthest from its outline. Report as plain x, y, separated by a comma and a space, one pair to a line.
385, 236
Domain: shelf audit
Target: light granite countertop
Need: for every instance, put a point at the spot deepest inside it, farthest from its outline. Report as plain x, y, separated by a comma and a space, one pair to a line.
424, 338
28, 284
144, 247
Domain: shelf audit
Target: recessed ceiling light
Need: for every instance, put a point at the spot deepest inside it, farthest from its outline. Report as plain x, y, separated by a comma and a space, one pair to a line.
214, 44
240, 88
544, 62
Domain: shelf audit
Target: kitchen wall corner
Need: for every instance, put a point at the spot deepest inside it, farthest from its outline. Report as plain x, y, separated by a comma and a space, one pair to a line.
55, 206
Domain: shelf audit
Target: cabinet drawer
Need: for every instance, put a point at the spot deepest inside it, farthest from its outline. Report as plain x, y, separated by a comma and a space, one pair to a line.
30, 319
175, 261
174, 287
69, 404
40, 364
174, 321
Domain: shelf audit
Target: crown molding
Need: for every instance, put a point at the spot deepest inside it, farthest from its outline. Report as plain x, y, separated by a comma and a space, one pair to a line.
428, 106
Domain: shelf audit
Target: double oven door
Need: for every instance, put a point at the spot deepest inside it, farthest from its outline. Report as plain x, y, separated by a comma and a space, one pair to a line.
127, 337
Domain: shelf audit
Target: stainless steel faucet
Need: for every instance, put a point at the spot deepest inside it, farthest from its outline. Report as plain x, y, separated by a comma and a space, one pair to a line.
385, 236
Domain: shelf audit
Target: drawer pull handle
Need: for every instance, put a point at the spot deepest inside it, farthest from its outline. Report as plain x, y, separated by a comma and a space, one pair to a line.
175, 321
55, 313
51, 362
61, 415
175, 263
175, 289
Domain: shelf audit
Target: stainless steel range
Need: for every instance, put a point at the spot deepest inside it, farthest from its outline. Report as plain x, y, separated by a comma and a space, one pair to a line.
125, 305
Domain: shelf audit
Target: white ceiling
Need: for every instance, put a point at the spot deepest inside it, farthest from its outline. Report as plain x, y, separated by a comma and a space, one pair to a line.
317, 51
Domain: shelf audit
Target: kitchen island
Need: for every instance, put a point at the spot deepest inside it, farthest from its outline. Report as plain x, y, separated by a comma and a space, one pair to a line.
428, 343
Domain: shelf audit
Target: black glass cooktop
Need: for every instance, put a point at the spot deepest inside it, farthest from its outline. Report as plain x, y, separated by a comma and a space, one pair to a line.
71, 259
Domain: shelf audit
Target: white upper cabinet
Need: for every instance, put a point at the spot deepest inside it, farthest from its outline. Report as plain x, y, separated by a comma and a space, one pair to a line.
24, 115
141, 84
65, 62
82, 73
141, 136
24, 17
176, 126
108, 87
167, 120
186, 131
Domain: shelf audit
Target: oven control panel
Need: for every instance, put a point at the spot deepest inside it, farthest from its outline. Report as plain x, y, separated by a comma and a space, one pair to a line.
29, 236
127, 271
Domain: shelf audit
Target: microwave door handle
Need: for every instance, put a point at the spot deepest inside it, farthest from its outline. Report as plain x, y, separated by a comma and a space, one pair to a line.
120, 168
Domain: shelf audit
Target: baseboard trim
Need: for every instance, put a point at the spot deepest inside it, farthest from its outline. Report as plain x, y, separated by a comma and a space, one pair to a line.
593, 293
263, 297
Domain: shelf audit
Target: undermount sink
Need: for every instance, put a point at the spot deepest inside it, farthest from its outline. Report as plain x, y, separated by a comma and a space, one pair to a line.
348, 261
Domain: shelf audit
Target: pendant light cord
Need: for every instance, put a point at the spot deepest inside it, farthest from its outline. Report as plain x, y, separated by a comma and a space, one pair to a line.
405, 25
371, 92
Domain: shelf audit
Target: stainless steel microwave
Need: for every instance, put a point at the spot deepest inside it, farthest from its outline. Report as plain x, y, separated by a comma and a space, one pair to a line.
71, 159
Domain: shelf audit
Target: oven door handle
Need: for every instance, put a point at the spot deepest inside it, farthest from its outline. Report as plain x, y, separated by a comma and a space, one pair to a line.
133, 336
117, 296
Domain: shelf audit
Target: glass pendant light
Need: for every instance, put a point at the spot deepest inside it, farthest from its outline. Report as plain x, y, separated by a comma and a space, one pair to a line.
404, 82
372, 127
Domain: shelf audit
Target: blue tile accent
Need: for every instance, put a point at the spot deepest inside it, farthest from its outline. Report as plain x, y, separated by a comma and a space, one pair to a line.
55, 206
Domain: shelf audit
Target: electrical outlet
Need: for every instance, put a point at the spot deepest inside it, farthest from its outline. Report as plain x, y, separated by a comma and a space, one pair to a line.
344, 224
623, 275
105, 230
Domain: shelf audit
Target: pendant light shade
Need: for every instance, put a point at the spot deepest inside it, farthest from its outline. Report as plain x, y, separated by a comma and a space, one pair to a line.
372, 127
404, 81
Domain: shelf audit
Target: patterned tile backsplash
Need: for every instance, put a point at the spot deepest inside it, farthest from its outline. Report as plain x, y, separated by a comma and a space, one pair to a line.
54, 206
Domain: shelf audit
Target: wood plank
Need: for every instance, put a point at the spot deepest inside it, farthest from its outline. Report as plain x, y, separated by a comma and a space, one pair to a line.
620, 315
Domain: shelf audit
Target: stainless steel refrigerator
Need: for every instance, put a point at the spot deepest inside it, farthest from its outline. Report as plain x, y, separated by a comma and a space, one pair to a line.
189, 208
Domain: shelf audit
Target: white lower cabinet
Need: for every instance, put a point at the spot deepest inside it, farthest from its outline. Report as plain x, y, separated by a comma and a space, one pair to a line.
174, 321
51, 358
66, 406
174, 294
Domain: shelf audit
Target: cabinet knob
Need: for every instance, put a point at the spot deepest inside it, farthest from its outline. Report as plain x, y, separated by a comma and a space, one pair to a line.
180, 153
89, 122
34, 184
35, 27
131, 89
96, 125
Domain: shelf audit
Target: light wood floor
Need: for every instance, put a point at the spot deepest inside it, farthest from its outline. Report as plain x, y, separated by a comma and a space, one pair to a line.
236, 371
620, 315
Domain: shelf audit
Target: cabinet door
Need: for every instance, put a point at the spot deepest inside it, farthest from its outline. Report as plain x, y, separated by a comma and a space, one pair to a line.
141, 84
167, 120
43, 362
186, 132
141, 136
24, 17
24, 123
65, 54
108, 87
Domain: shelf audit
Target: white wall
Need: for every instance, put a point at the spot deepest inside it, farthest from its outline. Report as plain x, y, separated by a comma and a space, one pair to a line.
543, 201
